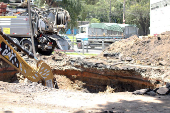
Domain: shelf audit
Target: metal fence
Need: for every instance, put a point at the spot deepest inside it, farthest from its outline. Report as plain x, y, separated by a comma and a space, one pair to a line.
85, 48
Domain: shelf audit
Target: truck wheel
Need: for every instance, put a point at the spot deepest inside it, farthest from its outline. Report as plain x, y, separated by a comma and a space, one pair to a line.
27, 45
79, 45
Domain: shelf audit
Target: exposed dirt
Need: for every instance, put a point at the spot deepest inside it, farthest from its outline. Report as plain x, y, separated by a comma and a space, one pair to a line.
94, 84
152, 51
33, 97
7, 72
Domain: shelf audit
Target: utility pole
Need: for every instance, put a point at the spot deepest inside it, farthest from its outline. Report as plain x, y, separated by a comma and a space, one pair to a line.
110, 13
124, 12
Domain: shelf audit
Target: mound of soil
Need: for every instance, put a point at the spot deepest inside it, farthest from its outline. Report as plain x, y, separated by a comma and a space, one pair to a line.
147, 51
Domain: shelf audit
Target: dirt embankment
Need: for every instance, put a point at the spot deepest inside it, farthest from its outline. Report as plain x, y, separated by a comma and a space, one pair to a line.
126, 65
152, 51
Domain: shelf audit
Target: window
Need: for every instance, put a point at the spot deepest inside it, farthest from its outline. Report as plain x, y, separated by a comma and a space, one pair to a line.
82, 29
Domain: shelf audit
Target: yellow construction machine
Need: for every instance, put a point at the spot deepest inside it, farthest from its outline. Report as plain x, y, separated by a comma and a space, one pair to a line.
41, 74
31, 29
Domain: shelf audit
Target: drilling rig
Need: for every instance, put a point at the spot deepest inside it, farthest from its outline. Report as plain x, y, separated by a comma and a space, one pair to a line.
43, 24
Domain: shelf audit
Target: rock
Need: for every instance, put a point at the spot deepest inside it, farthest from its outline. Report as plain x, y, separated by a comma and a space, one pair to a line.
167, 77
129, 59
113, 67
34, 83
168, 85
109, 61
155, 90
163, 90
100, 65
124, 68
163, 63
141, 91
151, 93
90, 64
27, 81
108, 66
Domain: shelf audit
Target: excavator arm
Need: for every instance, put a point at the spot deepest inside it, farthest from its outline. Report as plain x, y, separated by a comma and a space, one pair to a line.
43, 71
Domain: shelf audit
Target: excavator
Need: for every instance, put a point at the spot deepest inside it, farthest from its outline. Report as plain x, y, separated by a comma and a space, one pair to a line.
33, 28
42, 74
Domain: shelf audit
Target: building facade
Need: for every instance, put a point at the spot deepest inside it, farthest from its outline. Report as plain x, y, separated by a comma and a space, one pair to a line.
159, 16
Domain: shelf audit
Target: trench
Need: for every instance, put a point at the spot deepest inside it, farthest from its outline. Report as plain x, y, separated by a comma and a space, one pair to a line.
98, 80
94, 79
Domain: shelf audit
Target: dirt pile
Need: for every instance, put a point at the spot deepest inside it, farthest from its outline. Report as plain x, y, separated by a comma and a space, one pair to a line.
152, 51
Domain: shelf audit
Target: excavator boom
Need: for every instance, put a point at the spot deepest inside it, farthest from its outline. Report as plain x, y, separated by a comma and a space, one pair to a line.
43, 71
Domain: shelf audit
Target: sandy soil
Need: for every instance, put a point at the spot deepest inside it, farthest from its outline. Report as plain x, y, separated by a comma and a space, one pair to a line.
24, 98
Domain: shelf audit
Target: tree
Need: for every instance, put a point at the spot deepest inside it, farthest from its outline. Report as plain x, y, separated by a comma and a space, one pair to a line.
5, 1
138, 12
94, 20
91, 2
100, 9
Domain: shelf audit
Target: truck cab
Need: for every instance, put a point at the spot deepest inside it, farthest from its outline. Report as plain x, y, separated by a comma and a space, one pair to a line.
82, 36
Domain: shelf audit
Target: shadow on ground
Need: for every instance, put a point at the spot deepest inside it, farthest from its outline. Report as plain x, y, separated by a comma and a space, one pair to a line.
147, 104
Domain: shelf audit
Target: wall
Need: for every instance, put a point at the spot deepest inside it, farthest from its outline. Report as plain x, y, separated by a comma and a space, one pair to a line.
159, 16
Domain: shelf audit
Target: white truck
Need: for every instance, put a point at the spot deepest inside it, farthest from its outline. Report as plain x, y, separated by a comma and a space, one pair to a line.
95, 33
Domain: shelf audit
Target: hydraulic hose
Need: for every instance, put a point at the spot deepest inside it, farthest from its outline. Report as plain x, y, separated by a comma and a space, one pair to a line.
6, 37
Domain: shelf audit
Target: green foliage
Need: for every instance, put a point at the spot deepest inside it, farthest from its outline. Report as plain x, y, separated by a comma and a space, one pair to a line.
39, 3
138, 12
91, 2
100, 10
94, 20
5, 1
74, 9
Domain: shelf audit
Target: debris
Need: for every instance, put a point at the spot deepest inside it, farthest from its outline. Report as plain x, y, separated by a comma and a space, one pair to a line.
163, 90
141, 91
151, 93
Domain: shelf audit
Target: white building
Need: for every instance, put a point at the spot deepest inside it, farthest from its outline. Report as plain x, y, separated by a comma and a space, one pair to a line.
159, 16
